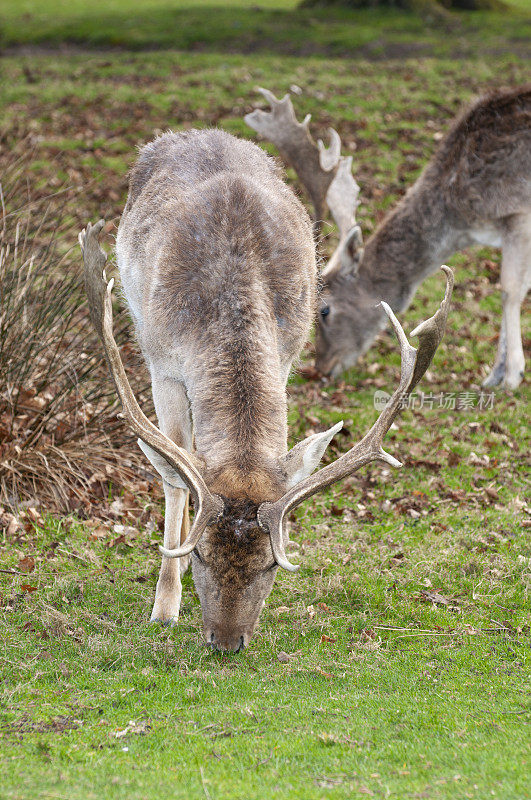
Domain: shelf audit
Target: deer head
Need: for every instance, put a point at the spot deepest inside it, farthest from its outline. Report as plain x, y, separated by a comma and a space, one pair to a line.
327, 177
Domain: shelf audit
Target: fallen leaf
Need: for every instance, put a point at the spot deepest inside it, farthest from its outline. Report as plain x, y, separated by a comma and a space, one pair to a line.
115, 542
13, 524
335, 511
479, 461
100, 532
34, 515
135, 728
434, 596
124, 530
26, 564
310, 373
453, 459
117, 507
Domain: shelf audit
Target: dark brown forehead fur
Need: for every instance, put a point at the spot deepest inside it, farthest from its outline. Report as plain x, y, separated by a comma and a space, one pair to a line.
237, 548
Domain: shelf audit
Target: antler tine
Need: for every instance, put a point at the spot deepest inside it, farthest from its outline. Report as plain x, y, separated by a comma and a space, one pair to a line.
414, 365
342, 197
329, 157
315, 165
208, 506
430, 332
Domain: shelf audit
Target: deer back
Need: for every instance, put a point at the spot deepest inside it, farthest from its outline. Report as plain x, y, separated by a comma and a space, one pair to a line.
483, 166
218, 266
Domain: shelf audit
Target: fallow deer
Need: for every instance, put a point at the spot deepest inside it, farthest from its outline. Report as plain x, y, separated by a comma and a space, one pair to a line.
476, 189
217, 262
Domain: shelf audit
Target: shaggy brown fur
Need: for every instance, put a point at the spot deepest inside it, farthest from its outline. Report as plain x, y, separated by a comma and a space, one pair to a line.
235, 546
485, 158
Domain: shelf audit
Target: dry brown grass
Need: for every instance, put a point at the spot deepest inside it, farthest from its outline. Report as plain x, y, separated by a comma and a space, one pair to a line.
61, 440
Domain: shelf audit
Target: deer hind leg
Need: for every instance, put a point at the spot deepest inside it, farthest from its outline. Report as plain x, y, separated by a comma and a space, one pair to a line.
515, 281
171, 405
497, 372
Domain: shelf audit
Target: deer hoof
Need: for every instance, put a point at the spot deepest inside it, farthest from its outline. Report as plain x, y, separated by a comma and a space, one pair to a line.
513, 380
166, 611
495, 378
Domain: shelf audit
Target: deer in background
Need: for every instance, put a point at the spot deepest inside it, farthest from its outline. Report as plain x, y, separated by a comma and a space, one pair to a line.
217, 261
475, 190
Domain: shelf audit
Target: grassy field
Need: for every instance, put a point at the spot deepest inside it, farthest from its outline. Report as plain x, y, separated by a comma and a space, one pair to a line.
269, 26
404, 638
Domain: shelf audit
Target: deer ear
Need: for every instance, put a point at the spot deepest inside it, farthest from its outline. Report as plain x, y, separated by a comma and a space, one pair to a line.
305, 456
351, 252
347, 256
168, 474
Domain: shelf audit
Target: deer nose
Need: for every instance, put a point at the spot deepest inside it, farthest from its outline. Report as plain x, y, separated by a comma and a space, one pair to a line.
226, 642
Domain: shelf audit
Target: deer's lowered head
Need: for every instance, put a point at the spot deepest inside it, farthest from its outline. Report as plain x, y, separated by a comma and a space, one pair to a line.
234, 560
327, 178
349, 311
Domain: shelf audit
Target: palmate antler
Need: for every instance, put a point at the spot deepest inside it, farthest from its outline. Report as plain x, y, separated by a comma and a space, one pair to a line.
208, 506
414, 365
325, 173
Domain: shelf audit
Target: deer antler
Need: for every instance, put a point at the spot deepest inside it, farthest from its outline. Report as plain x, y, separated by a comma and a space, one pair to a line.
314, 164
414, 365
342, 197
208, 506
325, 173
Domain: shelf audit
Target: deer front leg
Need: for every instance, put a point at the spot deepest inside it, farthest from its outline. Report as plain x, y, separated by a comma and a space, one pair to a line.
171, 405
169, 589
515, 280
497, 372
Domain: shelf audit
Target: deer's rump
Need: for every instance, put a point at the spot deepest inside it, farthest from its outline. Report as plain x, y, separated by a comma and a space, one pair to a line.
485, 159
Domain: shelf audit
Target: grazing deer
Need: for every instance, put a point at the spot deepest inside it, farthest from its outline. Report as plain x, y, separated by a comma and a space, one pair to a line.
217, 262
475, 190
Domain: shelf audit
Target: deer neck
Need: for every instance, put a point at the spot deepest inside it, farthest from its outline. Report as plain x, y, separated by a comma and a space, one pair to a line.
410, 244
241, 431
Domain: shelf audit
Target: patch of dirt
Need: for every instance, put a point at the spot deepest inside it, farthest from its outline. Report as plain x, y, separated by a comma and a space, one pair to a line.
25, 724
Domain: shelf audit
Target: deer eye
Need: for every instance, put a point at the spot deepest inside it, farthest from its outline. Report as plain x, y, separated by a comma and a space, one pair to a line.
325, 311
195, 552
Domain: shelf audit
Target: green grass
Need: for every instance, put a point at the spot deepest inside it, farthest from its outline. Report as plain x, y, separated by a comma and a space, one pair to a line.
382, 693
387, 693
271, 26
